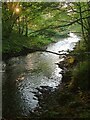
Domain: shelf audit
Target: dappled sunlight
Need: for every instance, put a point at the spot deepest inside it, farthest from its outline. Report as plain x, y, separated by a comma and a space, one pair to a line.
21, 77
46, 48
34, 71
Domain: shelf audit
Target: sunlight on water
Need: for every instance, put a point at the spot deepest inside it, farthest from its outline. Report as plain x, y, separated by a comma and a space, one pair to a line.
23, 75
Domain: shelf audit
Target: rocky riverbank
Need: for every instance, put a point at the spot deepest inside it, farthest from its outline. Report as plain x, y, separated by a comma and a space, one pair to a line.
63, 102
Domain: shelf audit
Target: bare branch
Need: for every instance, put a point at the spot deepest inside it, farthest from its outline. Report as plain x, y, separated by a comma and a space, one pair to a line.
53, 27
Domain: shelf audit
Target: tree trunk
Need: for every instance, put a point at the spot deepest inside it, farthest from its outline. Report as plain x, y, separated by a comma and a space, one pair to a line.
23, 20
82, 24
19, 27
26, 33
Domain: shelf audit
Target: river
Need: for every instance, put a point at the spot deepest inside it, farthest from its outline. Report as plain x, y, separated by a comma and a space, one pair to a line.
23, 75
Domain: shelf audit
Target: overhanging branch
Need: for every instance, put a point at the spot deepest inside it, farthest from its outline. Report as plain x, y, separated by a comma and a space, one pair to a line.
53, 27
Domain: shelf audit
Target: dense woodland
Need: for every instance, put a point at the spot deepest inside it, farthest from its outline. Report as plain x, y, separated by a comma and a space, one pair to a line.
33, 25
42, 20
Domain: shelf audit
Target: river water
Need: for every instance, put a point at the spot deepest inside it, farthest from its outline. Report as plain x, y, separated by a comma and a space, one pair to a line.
23, 75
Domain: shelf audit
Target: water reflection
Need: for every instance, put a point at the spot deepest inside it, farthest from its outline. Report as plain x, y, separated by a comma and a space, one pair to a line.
23, 75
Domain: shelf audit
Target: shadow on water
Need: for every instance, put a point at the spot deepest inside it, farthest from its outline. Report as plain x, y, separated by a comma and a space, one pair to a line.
22, 76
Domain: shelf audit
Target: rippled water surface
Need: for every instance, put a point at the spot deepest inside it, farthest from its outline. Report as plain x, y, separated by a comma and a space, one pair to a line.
23, 75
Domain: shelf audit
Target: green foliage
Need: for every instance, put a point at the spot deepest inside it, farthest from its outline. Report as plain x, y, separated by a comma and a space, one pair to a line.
75, 28
16, 43
40, 41
81, 51
80, 77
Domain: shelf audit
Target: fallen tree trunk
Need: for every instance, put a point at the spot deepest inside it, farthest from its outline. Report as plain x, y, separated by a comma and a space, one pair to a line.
45, 50
26, 51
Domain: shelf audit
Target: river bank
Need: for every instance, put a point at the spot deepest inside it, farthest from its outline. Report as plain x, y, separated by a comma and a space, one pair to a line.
68, 101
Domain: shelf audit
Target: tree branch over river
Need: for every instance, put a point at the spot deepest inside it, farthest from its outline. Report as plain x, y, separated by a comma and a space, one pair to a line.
68, 24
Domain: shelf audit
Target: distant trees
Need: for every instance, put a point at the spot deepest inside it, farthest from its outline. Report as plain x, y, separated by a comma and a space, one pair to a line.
33, 17
30, 17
